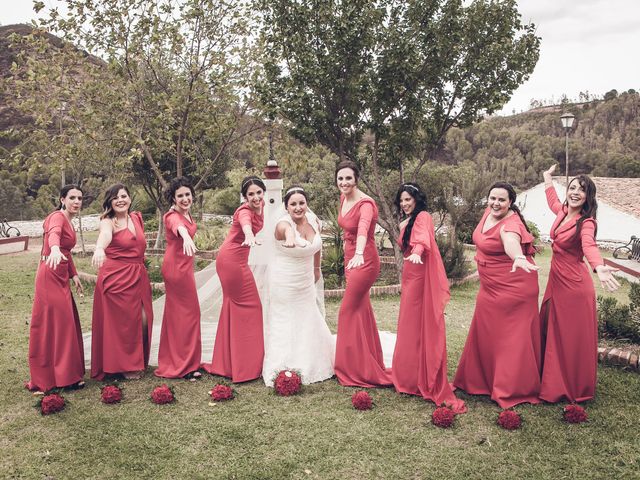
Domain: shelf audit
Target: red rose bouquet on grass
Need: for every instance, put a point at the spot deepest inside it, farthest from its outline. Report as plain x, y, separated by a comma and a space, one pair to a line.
51, 403
162, 394
287, 383
443, 417
111, 394
222, 392
509, 420
361, 400
574, 414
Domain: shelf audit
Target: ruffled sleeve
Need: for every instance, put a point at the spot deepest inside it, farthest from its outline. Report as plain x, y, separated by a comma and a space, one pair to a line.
514, 224
366, 216
552, 199
588, 241
54, 229
421, 234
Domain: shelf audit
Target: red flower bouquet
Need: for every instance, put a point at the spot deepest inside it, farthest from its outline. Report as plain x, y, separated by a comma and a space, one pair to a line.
222, 392
111, 394
509, 420
574, 414
162, 394
287, 383
443, 417
362, 400
51, 403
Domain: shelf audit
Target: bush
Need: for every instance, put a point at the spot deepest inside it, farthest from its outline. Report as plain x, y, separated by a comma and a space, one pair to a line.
535, 231
453, 257
211, 234
620, 321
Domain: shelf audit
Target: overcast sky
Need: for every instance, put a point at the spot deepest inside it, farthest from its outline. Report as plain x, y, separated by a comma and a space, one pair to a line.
587, 45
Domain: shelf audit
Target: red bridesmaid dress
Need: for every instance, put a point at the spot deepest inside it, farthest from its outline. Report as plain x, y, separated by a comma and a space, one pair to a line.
501, 357
568, 312
420, 355
180, 346
359, 361
56, 354
239, 346
122, 291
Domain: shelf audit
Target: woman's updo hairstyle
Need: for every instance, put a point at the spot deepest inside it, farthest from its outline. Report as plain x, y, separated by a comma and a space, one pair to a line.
64, 191
291, 192
251, 180
176, 183
348, 164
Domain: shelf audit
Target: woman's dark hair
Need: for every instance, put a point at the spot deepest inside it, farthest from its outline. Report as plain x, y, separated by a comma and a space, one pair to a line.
109, 196
176, 183
64, 191
590, 207
251, 180
291, 192
419, 196
512, 197
348, 164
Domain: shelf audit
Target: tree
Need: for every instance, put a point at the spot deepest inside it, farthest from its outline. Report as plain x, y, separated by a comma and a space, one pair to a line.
381, 82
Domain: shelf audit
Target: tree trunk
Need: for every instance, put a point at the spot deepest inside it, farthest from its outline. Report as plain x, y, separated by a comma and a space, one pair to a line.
201, 206
159, 244
84, 251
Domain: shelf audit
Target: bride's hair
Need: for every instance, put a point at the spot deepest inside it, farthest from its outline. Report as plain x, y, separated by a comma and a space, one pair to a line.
291, 191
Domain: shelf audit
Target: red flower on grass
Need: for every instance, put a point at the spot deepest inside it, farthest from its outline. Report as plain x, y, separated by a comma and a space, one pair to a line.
574, 414
162, 394
51, 403
361, 400
110, 394
509, 420
287, 383
443, 417
221, 392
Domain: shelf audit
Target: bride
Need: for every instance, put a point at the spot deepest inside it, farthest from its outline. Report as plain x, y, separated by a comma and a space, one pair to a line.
296, 334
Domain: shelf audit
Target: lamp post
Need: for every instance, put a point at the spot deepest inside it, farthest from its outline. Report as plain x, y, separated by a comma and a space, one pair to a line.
567, 123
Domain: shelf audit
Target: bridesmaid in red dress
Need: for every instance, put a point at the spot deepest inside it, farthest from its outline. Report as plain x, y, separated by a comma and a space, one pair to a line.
122, 310
502, 357
239, 346
420, 355
359, 361
56, 354
568, 312
180, 347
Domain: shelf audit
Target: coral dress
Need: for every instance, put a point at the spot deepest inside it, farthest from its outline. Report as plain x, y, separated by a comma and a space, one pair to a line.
56, 355
239, 346
359, 360
180, 346
568, 312
420, 355
122, 291
501, 357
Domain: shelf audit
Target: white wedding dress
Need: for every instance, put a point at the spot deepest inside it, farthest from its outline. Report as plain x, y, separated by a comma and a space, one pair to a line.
296, 334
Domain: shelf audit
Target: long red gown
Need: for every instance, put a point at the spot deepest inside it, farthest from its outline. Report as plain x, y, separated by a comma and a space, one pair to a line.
122, 291
501, 357
568, 312
359, 360
239, 346
56, 354
420, 355
180, 346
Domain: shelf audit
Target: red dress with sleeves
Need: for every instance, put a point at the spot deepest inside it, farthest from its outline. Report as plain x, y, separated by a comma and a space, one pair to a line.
359, 360
239, 345
122, 291
180, 349
502, 354
568, 312
420, 355
56, 354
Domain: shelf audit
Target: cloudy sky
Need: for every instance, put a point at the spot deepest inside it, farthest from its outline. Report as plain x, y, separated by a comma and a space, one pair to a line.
587, 45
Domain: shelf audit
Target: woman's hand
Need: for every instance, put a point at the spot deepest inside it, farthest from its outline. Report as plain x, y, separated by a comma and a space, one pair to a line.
414, 258
522, 262
98, 257
188, 247
548, 173
289, 239
78, 284
607, 280
250, 241
55, 257
356, 261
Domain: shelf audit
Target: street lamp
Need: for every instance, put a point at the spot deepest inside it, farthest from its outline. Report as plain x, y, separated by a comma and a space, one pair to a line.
567, 123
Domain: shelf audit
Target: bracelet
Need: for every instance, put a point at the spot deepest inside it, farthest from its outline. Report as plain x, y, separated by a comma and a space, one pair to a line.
519, 257
359, 253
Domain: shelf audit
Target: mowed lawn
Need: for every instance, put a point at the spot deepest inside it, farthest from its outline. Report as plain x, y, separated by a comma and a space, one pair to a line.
314, 435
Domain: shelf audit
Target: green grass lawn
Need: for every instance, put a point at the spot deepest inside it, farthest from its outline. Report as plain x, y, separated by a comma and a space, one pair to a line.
315, 435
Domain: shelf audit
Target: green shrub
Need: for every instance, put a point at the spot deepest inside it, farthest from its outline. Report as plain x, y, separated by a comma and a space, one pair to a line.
620, 321
211, 234
535, 231
453, 257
